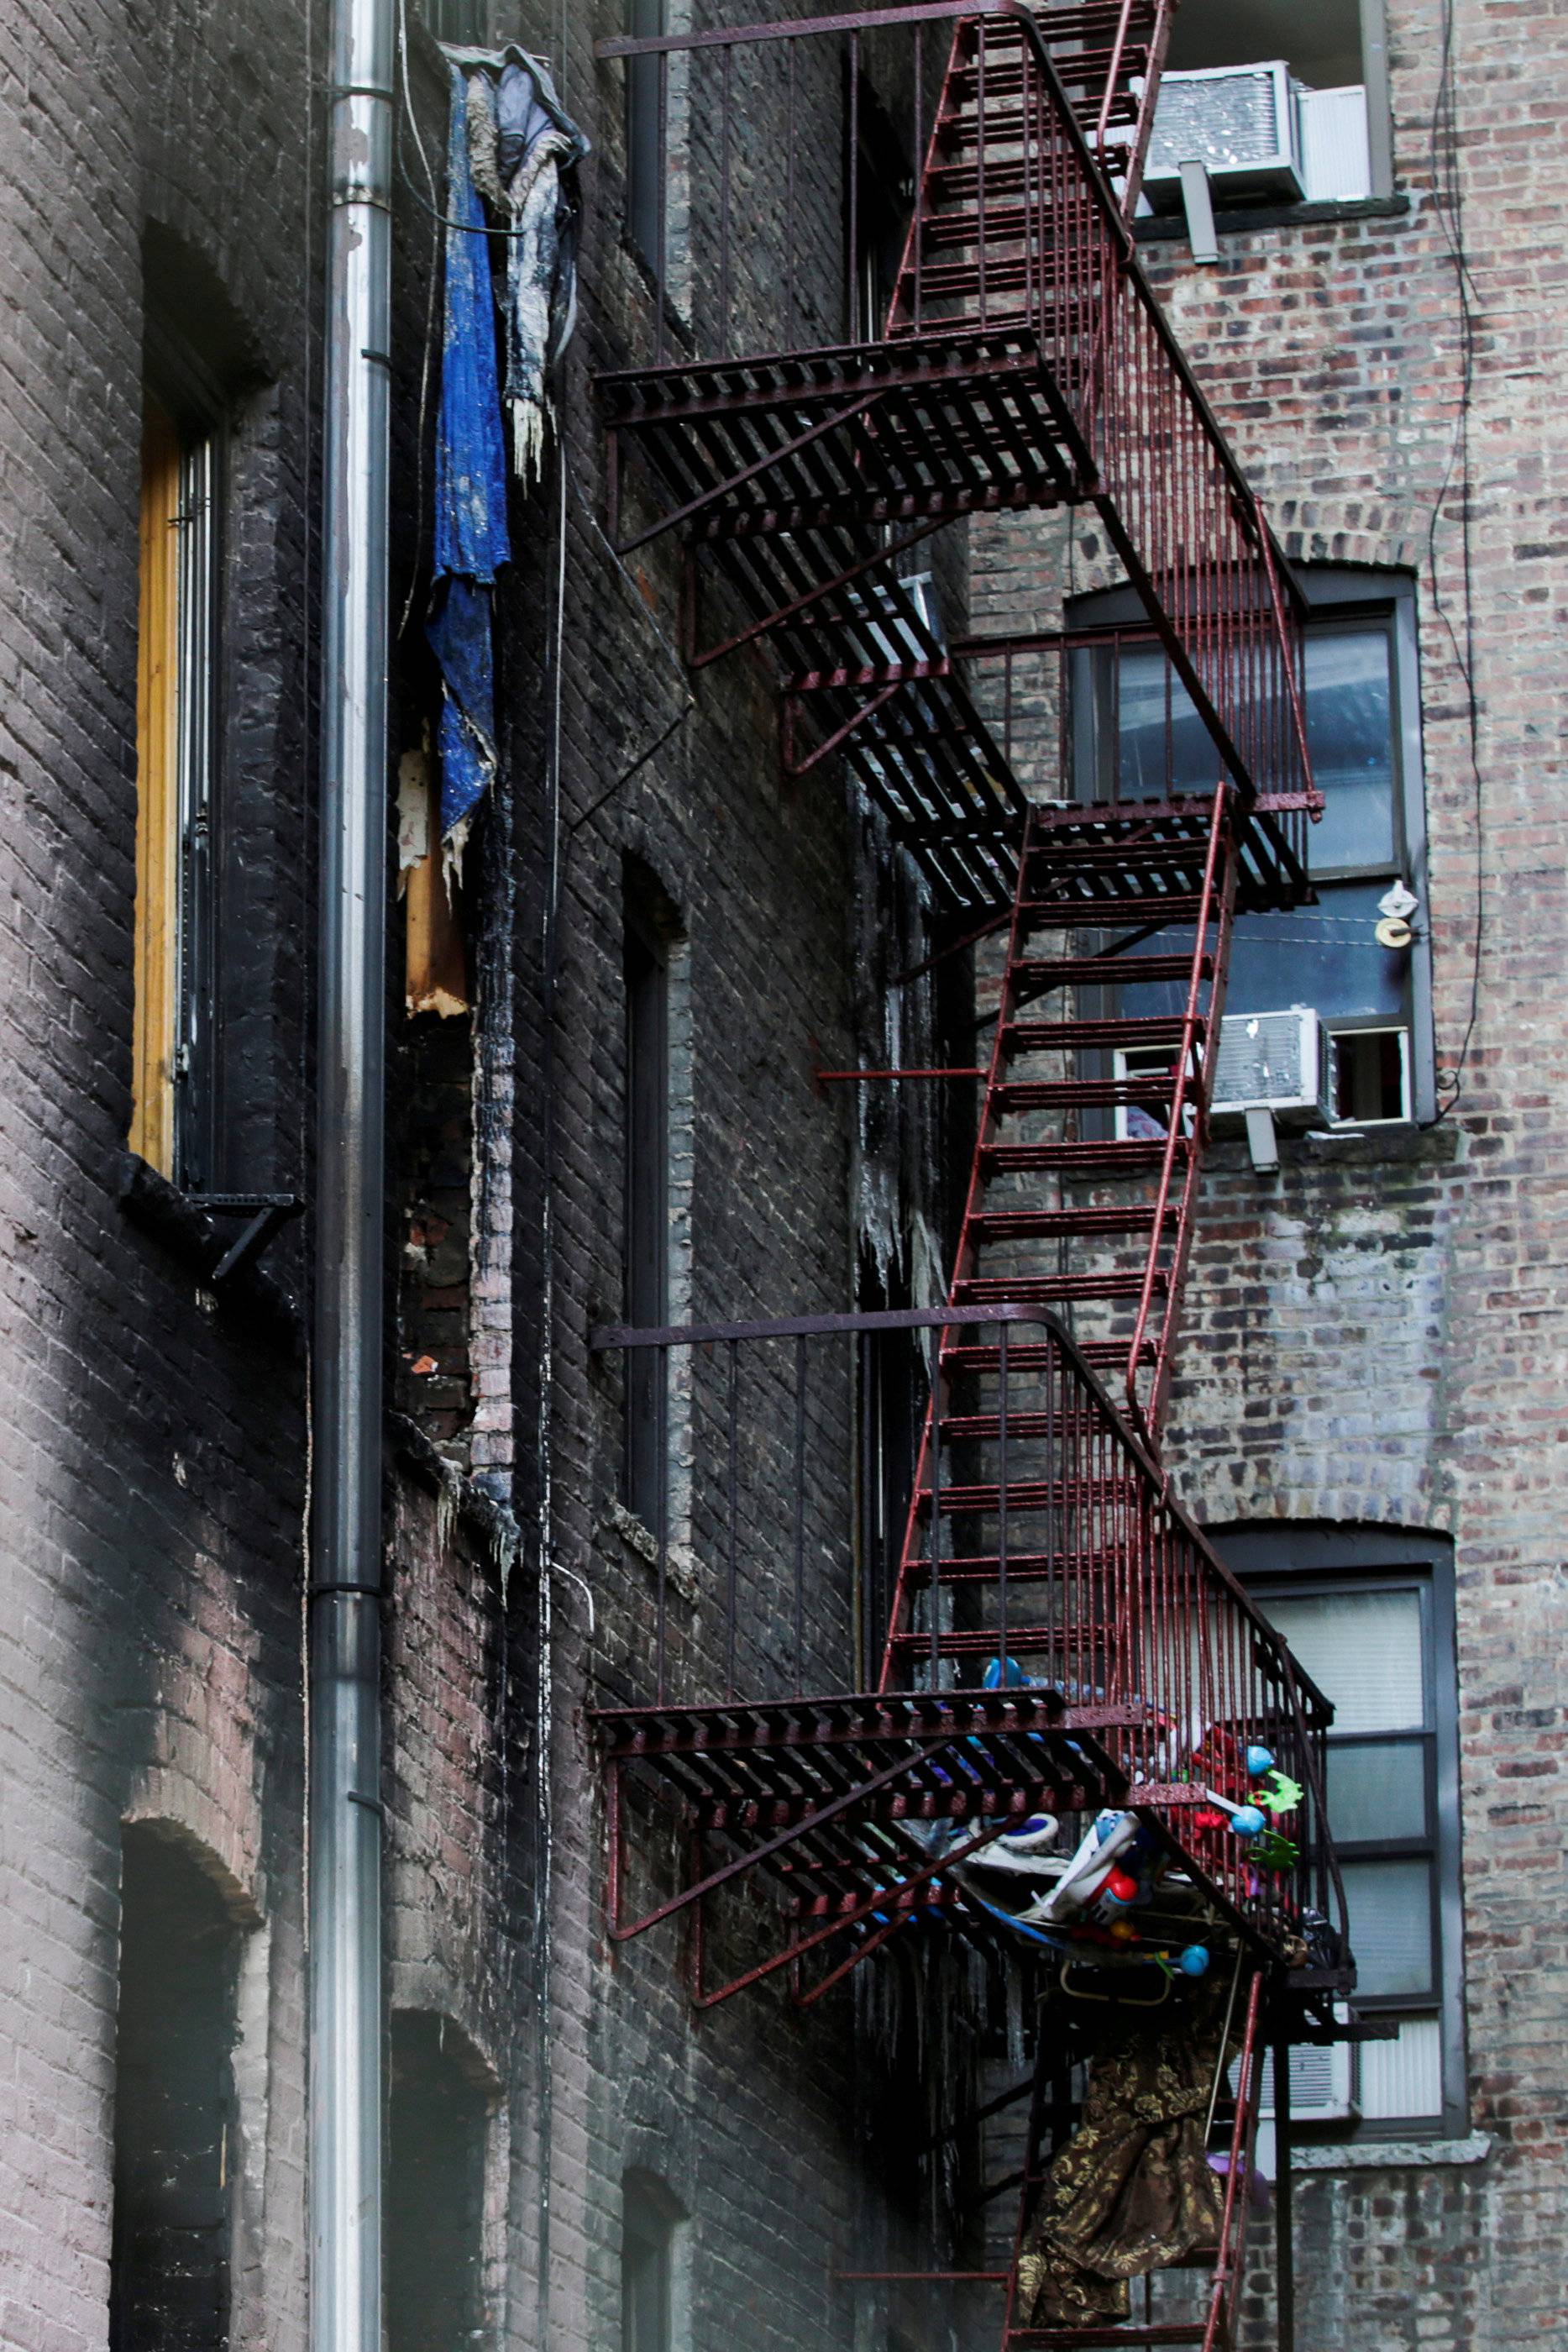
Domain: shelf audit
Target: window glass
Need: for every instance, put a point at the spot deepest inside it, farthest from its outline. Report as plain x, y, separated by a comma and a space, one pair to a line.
1378, 1791
1327, 955
1364, 1651
1390, 1906
1350, 734
1162, 744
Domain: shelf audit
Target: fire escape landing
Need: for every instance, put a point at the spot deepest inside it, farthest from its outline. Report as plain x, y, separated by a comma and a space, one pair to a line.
1061, 1641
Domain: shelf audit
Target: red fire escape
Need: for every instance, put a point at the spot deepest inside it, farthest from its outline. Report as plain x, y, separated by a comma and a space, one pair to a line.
1060, 1640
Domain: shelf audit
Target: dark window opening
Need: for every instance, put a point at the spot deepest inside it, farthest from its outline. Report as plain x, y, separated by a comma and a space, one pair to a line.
1281, 104
646, 964
173, 2104
437, 2121
651, 2223
883, 189
464, 23
647, 135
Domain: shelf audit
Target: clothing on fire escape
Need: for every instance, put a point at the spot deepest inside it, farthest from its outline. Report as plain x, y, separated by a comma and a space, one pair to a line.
1132, 2191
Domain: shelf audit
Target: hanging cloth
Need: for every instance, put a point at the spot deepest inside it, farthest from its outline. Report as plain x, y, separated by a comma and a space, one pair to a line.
521, 145
1132, 2191
471, 540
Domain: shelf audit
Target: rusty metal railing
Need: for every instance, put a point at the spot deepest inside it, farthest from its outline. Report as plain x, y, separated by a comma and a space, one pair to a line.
1041, 1534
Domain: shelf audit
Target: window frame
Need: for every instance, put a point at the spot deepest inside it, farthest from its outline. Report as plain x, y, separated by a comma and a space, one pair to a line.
647, 1177
1373, 35
1336, 596
175, 1122
647, 128
1305, 1560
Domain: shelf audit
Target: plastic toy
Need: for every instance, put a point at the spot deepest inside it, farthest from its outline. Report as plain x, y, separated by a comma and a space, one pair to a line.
1280, 1794
1193, 1961
1260, 1760
1247, 1822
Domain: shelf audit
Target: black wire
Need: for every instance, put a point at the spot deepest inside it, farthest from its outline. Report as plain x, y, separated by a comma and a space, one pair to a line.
1449, 200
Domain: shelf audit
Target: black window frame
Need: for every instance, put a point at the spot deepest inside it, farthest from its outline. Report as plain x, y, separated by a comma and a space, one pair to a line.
1306, 1559
652, 2220
1338, 597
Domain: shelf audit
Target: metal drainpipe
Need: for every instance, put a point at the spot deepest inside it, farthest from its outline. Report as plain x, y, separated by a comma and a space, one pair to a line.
344, 1656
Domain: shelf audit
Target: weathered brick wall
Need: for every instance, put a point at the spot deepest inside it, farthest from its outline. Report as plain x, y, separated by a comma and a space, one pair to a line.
1374, 1334
750, 2114
154, 1437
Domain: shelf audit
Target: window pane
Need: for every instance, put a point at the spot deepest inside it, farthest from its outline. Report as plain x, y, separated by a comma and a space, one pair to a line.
1163, 744
1404, 2077
1377, 1792
1350, 733
1390, 1906
1327, 955
1363, 1652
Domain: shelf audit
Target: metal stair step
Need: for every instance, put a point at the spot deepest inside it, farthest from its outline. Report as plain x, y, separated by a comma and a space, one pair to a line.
1152, 1092
1132, 1158
1105, 971
1077, 1037
988, 1225
1050, 1290
1079, 912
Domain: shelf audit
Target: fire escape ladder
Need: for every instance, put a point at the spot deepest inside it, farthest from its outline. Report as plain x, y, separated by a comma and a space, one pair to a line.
1064, 1658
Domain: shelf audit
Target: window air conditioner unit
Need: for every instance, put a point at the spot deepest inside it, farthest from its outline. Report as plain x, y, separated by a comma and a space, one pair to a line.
1274, 1061
1239, 121
1322, 2092
1336, 153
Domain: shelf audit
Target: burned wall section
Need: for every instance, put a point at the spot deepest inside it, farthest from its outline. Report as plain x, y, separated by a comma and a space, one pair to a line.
154, 1477
1370, 1336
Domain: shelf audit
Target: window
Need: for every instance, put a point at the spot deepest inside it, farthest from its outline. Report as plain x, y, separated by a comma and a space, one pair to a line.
173, 1106
653, 2245
173, 2106
1370, 1616
883, 194
465, 23
1136, 735
647, 1206
437, 2122
647, 128
1281, 104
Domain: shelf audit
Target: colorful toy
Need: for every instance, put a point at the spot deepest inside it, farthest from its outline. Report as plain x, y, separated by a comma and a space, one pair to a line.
1247, 1822
1123, 1887
1281, 1793
1260, 1760
1006, 1674
1193, 1961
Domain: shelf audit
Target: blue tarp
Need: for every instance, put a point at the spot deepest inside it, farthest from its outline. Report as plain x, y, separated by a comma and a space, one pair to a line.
471, 541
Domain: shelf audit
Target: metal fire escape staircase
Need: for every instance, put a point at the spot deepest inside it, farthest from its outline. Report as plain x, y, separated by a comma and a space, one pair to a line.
1060, 1639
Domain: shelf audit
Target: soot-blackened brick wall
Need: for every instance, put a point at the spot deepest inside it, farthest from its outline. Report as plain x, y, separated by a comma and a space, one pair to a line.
153, 1440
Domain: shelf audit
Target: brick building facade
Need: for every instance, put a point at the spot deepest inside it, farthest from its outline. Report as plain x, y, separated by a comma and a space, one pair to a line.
1369, 1360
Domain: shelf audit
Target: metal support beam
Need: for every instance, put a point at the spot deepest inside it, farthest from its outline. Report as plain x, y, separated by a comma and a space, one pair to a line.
344, 1662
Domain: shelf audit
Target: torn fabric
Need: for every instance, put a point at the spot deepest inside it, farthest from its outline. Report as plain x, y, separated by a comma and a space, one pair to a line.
471, 538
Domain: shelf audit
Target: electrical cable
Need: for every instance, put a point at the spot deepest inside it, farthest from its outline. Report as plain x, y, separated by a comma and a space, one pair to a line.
1449, 201
429, 321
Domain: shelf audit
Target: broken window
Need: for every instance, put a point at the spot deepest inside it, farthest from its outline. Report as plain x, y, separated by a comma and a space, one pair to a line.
1280, 105
174, 2150
437, 2124
174, 1104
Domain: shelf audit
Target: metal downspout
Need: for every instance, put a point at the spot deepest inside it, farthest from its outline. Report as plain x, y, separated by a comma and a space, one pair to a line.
344, 1652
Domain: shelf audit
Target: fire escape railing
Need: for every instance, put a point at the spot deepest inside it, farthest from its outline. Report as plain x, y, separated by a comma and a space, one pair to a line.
1108, 1597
